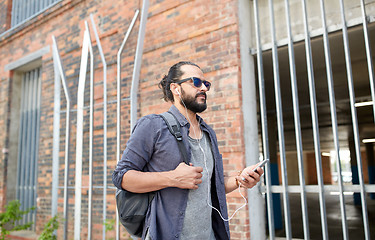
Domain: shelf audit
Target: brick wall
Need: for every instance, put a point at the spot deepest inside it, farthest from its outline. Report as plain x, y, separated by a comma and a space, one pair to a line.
6, 6
205, 32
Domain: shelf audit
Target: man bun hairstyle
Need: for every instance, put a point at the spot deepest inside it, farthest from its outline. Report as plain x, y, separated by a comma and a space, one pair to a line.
174, 75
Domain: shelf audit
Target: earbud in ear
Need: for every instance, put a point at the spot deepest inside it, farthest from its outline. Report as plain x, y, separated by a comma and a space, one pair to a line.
177, 92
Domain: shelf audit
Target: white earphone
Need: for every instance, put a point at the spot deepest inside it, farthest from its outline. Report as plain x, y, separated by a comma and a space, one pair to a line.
205, 166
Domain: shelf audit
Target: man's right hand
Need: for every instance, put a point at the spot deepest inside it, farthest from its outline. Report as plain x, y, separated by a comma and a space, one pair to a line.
187, 177
184, 176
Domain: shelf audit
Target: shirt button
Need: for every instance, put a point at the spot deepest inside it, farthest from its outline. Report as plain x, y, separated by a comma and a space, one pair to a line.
176, 236
181, 213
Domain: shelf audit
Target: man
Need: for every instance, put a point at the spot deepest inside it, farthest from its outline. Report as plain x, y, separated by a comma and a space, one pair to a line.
190, 201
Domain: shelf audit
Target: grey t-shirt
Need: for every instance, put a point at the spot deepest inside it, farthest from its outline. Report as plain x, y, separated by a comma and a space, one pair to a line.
198, 221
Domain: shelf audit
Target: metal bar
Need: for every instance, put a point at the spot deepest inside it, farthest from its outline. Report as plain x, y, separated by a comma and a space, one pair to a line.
23, 134
354, 120
331, 92
263, 110
33, 9
20, 156
89, 230
40, 6
13, 15
21, 10
28, 8
24, 141
315, 123
79, 138
36, 6
25, 9
61, 72
327, 188
32, 6
32, 144
20, 140
104, 123
368, 55
280, 124
29, 201
17, 12
26, 135
37, 145
56, 133
137, 65
28, 146
297, 124
118, 145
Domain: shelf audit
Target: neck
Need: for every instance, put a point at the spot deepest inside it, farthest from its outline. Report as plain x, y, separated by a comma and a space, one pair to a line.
195, 131
188, 114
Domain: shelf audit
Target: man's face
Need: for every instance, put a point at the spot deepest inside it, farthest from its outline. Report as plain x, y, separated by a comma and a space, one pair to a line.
192, 102
193, 98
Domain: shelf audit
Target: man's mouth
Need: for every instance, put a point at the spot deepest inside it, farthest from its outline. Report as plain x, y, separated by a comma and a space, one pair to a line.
201, 95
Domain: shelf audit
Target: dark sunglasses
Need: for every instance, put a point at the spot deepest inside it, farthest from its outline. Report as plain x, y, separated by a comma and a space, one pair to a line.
197, 82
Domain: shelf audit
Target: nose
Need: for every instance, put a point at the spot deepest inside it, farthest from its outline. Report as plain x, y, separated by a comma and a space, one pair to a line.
204, 88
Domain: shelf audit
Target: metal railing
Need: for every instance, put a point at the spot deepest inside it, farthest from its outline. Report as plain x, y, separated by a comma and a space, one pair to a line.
273, 44
59, 74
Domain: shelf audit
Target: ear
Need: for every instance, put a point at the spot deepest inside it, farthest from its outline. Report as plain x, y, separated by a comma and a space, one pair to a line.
175, 89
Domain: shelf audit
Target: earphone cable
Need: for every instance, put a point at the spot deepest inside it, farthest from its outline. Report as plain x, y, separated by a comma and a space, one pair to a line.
205, 165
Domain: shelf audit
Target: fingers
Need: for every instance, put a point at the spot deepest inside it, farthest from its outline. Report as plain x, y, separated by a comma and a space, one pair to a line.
260, 171
195, 183
188, 176
249, 178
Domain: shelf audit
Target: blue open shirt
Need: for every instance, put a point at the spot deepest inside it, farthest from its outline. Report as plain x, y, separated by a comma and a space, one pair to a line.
152, 148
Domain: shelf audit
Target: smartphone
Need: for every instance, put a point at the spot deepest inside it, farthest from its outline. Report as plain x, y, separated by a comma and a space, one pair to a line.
261, 164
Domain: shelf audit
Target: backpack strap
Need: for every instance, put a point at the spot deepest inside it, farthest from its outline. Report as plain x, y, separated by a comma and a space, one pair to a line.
174, 128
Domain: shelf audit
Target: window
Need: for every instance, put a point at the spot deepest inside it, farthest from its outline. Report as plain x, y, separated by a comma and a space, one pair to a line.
22, 10
28, 141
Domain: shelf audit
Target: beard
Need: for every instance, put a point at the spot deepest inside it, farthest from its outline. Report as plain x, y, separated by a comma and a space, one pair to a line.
191, 102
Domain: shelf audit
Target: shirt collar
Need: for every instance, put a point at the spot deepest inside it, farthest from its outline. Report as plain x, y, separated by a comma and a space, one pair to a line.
180, 118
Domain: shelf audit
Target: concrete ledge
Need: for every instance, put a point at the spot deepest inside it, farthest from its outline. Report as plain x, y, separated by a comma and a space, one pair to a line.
27, 59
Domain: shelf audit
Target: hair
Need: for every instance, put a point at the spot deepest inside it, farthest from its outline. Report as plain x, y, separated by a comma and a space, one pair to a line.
174, 75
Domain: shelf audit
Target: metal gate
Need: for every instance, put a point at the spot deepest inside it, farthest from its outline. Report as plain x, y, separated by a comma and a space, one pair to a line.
314, 64
28, 143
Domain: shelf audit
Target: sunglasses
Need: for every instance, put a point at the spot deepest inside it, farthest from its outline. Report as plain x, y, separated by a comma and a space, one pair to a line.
197, 82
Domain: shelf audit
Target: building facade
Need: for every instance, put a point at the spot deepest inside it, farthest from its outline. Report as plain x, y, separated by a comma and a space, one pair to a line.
203, 32
243, 47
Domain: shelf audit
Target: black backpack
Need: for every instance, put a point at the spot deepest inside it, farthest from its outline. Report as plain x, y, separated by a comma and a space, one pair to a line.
132, 207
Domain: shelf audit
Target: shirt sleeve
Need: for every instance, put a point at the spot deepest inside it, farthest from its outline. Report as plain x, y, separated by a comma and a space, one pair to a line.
139, 149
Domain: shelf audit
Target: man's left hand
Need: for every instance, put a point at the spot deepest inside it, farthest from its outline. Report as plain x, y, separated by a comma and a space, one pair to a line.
249, 178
